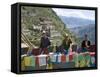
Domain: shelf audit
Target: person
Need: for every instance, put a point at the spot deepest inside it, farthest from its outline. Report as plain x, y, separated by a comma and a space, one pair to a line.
45, 43
74, 47
85, 43
66, 43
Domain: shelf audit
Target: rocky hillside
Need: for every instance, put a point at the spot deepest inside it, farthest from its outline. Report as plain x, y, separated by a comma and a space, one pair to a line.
36, 19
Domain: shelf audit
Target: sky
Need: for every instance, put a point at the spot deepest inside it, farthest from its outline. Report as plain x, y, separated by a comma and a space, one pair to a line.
86, 14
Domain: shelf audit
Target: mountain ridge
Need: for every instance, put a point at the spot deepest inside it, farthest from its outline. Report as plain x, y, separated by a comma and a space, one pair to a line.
76, 21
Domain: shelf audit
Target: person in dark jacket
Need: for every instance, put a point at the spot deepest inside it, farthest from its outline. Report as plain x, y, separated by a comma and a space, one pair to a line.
85, 43
45, 43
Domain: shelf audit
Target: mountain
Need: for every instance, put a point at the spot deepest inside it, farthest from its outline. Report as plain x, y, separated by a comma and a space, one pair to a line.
36, 19
75, 21
79, 27
87, 29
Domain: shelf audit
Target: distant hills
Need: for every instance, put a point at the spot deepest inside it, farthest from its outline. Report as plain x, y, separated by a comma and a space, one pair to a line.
87, 29
75, 21
80, 26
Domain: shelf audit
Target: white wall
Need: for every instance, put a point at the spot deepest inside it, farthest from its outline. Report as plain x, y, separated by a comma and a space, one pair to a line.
5, 19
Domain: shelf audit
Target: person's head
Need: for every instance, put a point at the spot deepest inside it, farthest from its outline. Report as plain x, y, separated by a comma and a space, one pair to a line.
86, 37
44, 33
66, 36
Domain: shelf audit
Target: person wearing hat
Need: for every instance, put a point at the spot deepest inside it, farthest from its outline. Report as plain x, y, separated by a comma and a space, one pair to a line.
85, 43
66, 43
45, 43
